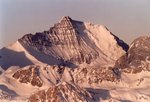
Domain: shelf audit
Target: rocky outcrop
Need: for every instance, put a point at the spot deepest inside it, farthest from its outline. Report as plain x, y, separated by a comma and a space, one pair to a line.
63, 92
42, 75
137, 58
95, 75
29, 75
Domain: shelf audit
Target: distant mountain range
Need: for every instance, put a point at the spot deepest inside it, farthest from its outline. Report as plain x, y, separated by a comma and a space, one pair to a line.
75, 61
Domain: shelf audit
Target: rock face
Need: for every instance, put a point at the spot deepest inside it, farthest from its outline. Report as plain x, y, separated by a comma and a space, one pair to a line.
63, 92
77, 42
95, 75
137, 58
30, 75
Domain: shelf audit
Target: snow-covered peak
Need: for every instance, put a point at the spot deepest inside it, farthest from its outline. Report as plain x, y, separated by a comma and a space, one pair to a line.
76, 42
65, 18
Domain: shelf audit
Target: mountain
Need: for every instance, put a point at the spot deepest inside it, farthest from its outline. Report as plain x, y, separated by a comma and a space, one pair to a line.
68, 41
137, 58
77, 42
75, 61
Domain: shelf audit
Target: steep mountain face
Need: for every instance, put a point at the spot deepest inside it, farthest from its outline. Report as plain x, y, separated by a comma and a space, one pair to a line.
75, 42
137, 58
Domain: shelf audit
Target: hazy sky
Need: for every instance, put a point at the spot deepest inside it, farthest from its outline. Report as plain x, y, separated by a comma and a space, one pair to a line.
127, 19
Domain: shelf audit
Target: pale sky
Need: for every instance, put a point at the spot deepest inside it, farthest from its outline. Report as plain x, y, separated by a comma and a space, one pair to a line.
128, 19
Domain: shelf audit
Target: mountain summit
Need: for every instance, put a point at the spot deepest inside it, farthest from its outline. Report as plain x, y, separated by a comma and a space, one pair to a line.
70, 42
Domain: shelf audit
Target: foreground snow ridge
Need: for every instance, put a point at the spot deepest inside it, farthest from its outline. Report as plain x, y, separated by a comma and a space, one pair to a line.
75, 61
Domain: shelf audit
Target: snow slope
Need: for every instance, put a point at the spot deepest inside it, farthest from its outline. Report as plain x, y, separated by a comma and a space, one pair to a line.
18, 55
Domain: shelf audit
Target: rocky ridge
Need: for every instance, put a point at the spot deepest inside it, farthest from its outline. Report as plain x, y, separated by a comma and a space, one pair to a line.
137, 58
30, 75
63, 92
